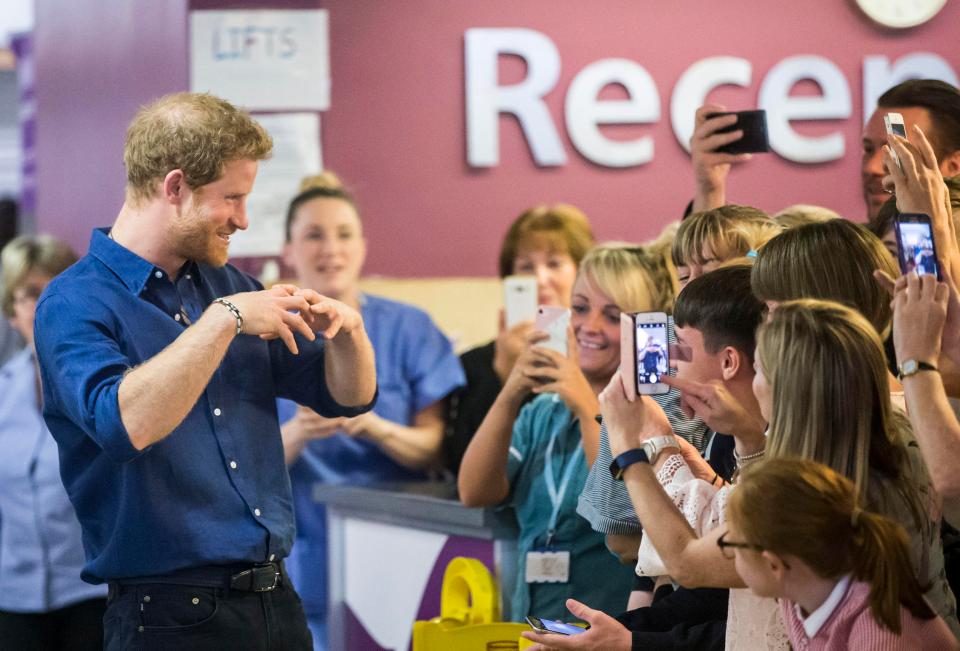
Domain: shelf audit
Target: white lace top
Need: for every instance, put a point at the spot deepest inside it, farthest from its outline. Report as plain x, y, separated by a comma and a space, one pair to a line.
753, 623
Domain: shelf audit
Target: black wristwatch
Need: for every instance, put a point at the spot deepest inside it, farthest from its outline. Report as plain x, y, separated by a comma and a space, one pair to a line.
625, 460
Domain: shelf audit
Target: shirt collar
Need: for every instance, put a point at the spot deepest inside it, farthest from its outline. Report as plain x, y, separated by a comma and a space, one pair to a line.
132, 270
815, 621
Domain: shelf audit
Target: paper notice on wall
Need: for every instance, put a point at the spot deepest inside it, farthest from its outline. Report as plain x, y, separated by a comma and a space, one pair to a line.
262, 60
296, 153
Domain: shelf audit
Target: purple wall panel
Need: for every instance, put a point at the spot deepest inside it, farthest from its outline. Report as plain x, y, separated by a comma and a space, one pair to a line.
96, 63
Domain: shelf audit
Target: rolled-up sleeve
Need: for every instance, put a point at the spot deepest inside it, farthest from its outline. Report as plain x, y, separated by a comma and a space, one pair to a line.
81, 365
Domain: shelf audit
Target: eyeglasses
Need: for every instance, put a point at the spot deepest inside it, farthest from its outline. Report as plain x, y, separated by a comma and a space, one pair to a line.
726, 548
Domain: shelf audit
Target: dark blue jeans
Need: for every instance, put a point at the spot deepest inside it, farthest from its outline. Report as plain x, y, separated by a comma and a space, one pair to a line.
172, 616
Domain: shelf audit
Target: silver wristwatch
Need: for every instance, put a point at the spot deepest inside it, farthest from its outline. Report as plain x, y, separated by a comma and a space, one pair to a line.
653, 447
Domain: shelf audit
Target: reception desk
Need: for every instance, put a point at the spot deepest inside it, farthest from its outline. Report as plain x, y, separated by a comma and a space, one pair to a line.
388, 548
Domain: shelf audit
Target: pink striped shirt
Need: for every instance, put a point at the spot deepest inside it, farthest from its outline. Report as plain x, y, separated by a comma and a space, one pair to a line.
852, 626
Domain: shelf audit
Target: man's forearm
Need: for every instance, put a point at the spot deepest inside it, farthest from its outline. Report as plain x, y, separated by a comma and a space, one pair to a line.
350, 374
156, 396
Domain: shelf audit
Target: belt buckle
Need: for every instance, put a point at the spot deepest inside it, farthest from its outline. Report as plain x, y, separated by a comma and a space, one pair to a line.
276, 578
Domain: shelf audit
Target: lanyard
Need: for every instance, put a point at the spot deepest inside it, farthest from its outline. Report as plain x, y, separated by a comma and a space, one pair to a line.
556, 495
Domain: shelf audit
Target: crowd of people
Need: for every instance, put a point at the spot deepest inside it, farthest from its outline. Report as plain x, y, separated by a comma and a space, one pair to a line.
795, 487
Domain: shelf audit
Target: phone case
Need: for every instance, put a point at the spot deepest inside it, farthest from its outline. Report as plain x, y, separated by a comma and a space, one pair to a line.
754, 126
628, 355
519, 299
658, 388
553, 321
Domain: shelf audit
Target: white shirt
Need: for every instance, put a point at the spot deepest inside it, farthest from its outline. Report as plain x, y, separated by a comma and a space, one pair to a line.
815, 621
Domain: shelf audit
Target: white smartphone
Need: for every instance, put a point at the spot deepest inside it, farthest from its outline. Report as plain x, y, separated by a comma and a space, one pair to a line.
519, 299
895, 126
650, 352
553, 321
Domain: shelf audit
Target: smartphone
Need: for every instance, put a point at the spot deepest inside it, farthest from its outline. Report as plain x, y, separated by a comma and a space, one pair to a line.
553, 626
553, 321
650, 352
519, 299
895, 126
917, 250
754, 126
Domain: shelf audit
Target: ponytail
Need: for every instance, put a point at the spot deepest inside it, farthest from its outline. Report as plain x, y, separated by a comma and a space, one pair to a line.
827, 530
881, 557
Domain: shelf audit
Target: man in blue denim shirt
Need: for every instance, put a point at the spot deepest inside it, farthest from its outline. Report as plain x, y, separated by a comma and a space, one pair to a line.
160, 370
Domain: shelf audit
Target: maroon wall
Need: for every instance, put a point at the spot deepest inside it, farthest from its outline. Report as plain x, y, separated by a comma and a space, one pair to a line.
396, 128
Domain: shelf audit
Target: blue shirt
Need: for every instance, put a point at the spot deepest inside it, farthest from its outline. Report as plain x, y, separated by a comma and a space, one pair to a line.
597, 578
416, 367
40, 550
215, 491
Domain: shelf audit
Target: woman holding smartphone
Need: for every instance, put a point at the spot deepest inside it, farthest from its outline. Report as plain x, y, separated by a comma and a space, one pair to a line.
535, 455
416, 370
548, 243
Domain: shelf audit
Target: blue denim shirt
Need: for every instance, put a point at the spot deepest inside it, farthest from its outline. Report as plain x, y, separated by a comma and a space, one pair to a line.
40, 550
215, 491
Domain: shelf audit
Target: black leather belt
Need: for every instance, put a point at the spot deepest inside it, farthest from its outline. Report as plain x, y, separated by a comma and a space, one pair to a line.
260, 577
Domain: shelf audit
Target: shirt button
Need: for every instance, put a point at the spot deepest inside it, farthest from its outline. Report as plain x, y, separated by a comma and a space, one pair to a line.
272, 556
233, 465
256, 512
146, 599
217, 412
188, 276
158, 274
195, 601
176, 317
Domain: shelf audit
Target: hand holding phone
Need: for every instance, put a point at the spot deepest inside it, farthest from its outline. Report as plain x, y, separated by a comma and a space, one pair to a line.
754, 127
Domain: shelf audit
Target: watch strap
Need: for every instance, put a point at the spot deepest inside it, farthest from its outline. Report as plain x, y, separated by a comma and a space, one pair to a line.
623, 461
912, 367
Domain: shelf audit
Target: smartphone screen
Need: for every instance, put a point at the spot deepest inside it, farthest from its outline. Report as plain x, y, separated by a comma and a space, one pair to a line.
916, 248
553, 626
652, 352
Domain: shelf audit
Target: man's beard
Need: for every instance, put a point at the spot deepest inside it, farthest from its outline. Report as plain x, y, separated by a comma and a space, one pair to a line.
194, 238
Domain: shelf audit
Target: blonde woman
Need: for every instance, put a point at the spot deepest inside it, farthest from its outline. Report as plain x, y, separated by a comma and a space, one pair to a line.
535, 456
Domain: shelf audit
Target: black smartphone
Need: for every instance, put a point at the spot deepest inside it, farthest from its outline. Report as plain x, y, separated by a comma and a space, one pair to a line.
754, 126
917, 250
553, 626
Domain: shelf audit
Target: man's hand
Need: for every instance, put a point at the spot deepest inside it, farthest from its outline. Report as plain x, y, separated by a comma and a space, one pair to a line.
508, 346
710, 168
630, 423
716, 406
605, 633
329, 316
271, 313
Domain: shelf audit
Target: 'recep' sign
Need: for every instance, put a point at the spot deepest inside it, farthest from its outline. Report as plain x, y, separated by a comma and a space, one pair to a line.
585, 112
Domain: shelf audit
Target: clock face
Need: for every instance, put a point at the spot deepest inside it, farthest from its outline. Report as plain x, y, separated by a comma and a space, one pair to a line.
899, 14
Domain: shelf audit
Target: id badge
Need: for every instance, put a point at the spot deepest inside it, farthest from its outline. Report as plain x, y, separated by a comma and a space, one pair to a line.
548, 566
